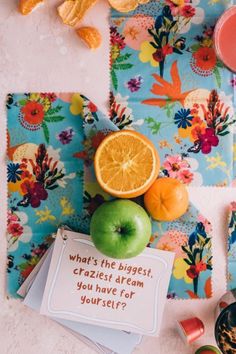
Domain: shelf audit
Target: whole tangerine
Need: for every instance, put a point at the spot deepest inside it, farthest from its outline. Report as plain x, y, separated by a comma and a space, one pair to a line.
167, 199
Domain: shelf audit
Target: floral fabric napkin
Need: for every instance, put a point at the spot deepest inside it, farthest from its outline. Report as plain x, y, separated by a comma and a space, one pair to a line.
52, 139
167, 83
231, 271
189, 237
45, 173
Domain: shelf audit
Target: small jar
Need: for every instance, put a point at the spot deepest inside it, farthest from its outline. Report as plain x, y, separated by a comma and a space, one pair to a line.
225, 327
208, 349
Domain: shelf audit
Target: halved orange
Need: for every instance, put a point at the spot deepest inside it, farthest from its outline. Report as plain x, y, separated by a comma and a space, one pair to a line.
126, 164
27, 6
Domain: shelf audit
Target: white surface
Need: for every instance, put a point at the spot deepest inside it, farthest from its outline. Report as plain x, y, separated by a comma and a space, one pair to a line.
38, 53
118, 341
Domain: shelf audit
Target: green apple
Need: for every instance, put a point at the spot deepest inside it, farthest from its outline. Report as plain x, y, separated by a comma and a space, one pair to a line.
120, 229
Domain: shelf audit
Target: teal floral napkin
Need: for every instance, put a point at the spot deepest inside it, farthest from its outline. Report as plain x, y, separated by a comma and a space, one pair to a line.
52, 139
45, 173
167, 83
231, 271
189, 237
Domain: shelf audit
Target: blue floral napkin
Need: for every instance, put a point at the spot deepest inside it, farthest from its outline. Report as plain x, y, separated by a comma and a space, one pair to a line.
52, 139
189, 237
168, 84
45, 173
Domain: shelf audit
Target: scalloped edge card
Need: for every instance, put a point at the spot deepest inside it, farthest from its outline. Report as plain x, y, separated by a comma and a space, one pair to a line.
87, 287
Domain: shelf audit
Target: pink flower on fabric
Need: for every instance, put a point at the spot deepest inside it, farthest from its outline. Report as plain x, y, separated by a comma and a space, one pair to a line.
174, 164
11, 217
117, 39
15, 229
186, 176
187, 11
208, 140
176, 8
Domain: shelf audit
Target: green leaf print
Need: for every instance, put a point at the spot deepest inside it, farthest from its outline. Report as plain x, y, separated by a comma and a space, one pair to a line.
217, 76
153, 125
53, 111
114, 79
45, 131
53, 119
122, 58
22, 102
122, 66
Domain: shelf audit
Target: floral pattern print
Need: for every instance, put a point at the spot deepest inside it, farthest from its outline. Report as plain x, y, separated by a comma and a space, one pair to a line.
204, 61
176, 166
231, 269
17, 229
164, 38
66, 136
45, 179
30, 260
169, 45
37, 110
118, 60
190, 239
135, 83
40, 199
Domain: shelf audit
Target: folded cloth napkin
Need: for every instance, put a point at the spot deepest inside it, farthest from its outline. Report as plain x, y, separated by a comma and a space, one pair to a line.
52, 139
231, 270
45, 177
167, 83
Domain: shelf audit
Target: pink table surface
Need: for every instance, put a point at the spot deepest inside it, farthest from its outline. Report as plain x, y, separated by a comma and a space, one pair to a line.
38, 53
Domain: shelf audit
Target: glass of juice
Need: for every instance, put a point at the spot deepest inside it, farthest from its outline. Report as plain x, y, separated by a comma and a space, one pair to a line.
225, 38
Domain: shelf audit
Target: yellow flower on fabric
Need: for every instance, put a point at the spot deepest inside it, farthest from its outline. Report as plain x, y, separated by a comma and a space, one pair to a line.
185, 133
66, 207
207, 42
115, 52
76, 106
180, 270
46, 104
44, 215
15, 187
234, 151
215, 161
34, 97
146, 54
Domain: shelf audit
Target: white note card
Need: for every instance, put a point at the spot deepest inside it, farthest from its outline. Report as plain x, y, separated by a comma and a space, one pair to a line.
85, 286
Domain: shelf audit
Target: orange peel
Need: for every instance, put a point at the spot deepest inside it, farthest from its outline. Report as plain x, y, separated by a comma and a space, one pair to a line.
73, 11
90, 36
27, 6
126, 5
